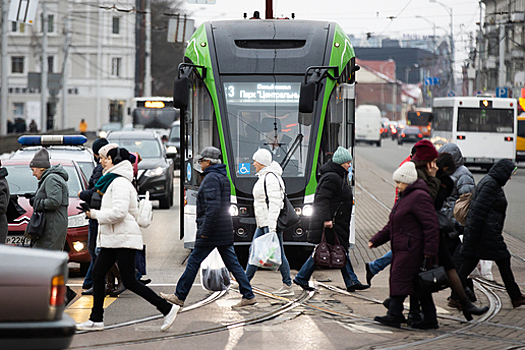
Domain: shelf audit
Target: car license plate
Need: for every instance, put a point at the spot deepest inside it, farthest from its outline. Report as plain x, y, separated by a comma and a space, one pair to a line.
19, 241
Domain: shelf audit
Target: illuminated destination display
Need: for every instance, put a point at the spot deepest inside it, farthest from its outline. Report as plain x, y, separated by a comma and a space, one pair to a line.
262, 92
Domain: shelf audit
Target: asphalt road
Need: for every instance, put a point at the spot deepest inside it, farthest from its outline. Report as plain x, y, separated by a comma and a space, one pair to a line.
390, 154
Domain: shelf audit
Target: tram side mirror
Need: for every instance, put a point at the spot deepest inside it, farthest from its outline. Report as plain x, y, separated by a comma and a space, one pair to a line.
307, 97
181, 92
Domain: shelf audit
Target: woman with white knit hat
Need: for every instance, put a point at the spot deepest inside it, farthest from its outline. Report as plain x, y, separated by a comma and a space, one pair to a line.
413, 232
268, 200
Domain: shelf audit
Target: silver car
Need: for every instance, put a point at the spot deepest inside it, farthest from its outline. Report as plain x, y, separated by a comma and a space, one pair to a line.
32, 289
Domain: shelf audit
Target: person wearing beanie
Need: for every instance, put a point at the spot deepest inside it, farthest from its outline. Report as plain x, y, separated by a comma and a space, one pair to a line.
332, 209
87, 196
425, 151
425, 161
214, 230
119, 239
40, 160
268, 200
414, 210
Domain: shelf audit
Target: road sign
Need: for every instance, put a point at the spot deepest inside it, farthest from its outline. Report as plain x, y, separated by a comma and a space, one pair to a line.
23, 11
53, 80
502, 92
180, 29
433, 81
451, 94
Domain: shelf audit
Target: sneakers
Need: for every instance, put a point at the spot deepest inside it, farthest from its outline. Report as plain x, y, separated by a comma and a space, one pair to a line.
390, 321
170, 317
306, 287
358, 286
90, 326
369, 274
245, 302
285, 290
172, 298
518, 302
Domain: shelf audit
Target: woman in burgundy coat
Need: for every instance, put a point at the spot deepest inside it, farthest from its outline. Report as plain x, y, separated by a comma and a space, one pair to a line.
413, 232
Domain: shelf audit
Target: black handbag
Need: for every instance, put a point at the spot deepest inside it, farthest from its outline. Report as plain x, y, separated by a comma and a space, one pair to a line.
432, 280
329, 256
96, 200
14, 210
287, 217
37, 224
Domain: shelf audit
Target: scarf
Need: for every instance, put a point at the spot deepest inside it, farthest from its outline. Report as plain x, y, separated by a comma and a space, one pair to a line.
104, 182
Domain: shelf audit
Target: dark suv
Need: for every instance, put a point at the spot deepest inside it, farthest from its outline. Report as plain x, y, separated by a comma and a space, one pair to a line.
155, 170
173, 143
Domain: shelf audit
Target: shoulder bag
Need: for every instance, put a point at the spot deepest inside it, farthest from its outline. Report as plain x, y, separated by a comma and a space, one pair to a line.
287, 217
461, 208
329, 256
431, 280
14, 210
36, 226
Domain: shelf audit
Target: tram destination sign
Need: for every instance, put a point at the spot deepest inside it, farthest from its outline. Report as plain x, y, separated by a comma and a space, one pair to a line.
262, 92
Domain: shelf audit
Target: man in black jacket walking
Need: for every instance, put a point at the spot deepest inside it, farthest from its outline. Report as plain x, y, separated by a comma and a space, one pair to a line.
214, 230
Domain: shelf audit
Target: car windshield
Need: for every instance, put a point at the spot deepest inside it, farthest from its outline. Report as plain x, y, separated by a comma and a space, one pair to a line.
21, 180
111, 127
411, 130
175, 133
145, 148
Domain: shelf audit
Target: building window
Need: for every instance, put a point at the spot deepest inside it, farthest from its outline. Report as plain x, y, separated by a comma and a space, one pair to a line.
50, 63
17, 64
50, 23
116, 25
14, 26
116, 111
116, 62
17, 27
18, 109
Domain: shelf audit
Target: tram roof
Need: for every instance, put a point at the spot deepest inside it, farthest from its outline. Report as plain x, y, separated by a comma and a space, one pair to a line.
271, 46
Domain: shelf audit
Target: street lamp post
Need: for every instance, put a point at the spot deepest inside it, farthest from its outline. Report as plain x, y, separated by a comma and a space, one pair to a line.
433, 29
452, 50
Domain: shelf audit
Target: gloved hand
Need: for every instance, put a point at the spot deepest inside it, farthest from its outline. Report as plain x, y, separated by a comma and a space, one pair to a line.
31, 197
83, 206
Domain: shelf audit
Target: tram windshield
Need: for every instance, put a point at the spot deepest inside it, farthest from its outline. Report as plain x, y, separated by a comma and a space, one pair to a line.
265, 115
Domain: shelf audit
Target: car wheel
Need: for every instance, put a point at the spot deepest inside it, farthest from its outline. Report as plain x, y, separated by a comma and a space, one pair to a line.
378, 143
164, 203
400, 142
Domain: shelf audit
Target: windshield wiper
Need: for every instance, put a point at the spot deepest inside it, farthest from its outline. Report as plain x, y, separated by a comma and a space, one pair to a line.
293, 147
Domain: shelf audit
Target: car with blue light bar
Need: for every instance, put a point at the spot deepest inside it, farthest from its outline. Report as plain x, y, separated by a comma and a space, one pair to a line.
23, 184
59, 147
33, 285
156, 168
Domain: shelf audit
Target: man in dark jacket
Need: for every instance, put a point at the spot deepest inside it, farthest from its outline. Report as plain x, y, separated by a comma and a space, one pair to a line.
214, 230
333, 203
483, 238
86, 196
4, 202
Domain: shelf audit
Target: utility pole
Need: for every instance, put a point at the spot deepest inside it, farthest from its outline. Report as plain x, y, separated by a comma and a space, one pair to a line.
269, 9
43, 76
99, 65
478, 66
502, 71
67, 43
5, 63
147, 68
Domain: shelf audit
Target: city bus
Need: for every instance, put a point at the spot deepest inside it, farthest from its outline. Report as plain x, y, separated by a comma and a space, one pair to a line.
284, 85
520, 139
484, 128
153, 113
422, 118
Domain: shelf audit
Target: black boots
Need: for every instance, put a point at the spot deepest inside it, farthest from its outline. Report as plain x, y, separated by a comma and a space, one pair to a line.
470, 309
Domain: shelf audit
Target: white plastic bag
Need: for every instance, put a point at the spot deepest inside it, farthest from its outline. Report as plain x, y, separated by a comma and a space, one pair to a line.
214, 274
145, 215
266, 251
484, 270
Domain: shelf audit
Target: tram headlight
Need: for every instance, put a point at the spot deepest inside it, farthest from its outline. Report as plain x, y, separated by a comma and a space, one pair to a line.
308, 210
234, 211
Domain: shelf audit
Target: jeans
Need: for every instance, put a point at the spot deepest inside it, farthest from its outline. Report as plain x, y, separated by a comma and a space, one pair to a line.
230, 260
284, 269
92, 245
381, 263
126, 263
308, 269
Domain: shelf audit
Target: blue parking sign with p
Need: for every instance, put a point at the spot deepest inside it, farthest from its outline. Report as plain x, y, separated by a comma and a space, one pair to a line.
244, 169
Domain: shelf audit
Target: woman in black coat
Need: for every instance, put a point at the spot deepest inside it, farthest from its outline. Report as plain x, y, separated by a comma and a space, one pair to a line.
483, 238
332, 210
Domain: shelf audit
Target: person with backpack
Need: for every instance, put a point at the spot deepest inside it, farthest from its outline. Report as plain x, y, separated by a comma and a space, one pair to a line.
332, 210
268, 196
119, 238
483, 235
214, 230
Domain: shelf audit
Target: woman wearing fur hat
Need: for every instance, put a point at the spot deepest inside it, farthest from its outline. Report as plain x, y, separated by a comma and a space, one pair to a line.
333, 200
413, 232
119, 237
268, 196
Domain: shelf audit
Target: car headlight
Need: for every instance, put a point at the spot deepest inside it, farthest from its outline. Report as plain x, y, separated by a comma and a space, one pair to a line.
102, 134
308, 210
234, 211
77, 220
79, 246
172, 149
155, 172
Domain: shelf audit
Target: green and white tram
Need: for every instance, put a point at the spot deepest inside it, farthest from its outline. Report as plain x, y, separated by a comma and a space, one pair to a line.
285, 85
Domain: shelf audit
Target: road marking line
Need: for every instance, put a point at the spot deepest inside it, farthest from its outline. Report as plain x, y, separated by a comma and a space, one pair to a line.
80, 310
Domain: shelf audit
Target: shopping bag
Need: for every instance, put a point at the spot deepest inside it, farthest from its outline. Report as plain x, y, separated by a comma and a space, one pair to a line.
484, 270
266, 251
214, 274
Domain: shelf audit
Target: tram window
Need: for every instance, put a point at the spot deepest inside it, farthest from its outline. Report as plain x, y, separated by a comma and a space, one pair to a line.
333, 130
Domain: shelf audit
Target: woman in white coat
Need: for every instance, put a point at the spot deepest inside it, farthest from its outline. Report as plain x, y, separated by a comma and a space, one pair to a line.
267, 204
119, 237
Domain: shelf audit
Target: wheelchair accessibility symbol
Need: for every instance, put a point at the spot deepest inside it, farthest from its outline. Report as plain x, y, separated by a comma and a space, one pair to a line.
244, 168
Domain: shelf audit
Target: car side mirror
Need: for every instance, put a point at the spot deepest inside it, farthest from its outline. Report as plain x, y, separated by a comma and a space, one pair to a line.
181, 92
307, 97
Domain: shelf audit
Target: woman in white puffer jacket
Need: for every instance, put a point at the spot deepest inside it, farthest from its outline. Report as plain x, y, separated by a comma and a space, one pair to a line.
267, 212
119, 237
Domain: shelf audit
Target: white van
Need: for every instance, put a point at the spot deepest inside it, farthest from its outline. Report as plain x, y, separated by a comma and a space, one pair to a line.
368, 124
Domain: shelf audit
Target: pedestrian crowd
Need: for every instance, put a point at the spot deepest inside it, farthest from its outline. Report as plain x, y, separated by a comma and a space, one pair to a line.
422, 230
